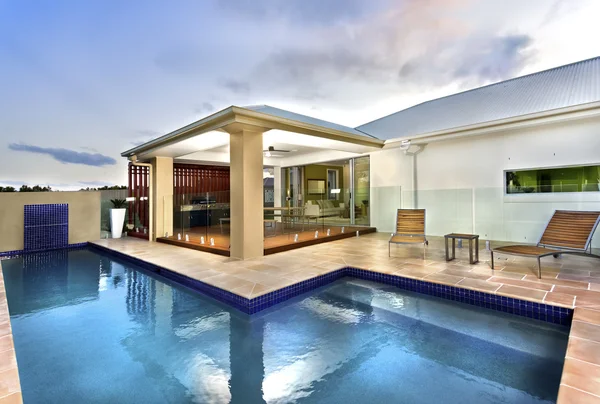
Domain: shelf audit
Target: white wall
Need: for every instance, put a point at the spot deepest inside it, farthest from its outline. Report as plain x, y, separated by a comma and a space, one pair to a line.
391, 174
460, 182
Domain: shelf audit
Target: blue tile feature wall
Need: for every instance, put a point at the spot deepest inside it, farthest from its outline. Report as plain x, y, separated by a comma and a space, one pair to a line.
46, 227
538, 311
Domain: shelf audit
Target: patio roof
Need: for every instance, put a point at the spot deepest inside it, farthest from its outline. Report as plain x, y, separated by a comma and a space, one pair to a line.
263, 117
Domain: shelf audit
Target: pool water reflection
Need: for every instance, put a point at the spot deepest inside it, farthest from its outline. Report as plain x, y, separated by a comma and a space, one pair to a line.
89, 328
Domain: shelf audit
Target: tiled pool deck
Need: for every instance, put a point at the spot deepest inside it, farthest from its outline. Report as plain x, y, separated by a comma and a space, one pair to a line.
570, 282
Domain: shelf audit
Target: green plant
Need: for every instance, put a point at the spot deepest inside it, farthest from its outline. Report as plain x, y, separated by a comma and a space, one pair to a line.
119, 203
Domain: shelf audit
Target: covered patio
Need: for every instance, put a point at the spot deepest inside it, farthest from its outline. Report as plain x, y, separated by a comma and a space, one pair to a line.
248, 221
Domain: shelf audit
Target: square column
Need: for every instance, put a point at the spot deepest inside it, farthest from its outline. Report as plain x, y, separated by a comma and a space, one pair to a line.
246, 193
162, 195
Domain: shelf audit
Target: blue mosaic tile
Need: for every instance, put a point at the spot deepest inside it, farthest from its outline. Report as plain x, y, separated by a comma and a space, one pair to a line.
18, 253
46, 227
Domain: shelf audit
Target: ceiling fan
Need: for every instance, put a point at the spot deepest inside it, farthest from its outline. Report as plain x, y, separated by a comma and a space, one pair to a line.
269, 152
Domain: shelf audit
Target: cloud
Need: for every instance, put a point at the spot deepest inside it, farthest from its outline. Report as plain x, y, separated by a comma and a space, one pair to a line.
409, 47
205, 108
236, 86
67, 156
147, 132
181, 60
303, 12
96, 183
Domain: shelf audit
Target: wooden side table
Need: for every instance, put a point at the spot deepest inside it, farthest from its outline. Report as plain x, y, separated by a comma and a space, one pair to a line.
469, 237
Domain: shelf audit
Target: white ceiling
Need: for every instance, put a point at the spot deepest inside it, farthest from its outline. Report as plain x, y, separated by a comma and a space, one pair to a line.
213, 147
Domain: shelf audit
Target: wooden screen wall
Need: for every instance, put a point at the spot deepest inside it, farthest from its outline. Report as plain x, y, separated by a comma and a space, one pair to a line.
188, 179
138, 188
194, 180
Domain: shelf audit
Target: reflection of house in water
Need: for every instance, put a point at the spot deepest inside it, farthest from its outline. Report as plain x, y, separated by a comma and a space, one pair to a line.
51, 279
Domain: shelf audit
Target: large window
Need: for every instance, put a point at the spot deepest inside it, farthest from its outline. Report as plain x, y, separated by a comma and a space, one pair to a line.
560, 179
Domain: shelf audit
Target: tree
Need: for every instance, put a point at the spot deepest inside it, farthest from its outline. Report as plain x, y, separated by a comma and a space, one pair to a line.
7, 189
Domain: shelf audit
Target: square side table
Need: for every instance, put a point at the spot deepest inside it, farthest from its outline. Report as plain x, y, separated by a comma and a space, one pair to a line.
473, 257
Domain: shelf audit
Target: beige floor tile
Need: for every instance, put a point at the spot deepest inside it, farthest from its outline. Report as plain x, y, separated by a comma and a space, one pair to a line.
587, 315
521, 293
443, 278
14, 398
561, 299
581, 375
6, 343
584, 350
585, 330
569, 395
9, 382
260, 290
524, 284
480, 285
466, 274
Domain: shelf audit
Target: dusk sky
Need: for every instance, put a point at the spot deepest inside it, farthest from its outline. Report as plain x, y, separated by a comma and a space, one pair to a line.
82, 81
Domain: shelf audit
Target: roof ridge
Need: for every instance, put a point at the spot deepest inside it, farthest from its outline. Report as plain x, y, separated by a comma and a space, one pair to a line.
484, 86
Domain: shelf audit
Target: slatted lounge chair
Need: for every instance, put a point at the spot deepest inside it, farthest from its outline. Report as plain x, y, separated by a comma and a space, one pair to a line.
567, 232
410, 228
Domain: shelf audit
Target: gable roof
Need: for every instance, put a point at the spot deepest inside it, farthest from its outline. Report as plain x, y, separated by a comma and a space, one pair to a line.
565, 86
282, 113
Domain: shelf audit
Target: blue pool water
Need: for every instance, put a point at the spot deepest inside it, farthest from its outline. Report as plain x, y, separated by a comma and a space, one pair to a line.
90, 329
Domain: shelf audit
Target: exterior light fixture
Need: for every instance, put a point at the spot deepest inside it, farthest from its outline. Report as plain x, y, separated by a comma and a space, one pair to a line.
130, 199
335, 191
343, 229
405, 145
178, 236
357, 233
296, 238
212, 241
187, 237
317, 234
166, 234
202, 240
329, 232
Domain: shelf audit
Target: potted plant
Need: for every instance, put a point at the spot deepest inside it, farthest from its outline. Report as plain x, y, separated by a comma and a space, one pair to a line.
117, 217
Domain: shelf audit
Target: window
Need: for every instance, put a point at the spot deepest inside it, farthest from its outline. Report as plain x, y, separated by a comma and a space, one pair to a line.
560, 179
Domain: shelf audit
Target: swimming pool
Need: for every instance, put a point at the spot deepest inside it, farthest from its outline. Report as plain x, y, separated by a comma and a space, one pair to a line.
89, 328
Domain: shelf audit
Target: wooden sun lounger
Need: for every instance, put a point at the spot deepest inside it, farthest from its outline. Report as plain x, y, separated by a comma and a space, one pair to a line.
410, 228
567, 232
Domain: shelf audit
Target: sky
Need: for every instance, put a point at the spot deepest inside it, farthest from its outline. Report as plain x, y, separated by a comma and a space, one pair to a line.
83, 81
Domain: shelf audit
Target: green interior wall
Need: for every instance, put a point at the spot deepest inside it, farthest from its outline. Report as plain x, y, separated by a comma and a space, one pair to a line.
565, 179
319, 172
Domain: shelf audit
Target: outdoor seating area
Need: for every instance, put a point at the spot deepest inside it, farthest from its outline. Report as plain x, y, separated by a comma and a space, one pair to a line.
567, 232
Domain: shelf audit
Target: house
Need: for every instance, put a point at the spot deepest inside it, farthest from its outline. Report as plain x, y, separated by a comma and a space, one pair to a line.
495, 160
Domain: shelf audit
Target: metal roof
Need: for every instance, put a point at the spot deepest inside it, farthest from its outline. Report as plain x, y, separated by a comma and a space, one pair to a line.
565, 86
282, 113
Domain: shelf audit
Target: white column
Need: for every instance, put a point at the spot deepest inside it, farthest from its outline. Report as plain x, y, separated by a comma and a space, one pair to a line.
246, 193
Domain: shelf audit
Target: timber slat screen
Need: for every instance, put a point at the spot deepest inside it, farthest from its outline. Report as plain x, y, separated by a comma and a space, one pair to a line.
193, 180
189, 180
138, 212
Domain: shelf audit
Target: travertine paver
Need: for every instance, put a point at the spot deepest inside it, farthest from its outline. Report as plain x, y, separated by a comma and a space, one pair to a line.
10, 387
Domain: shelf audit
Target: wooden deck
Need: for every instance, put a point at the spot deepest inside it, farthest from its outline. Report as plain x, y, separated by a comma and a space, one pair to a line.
273, 244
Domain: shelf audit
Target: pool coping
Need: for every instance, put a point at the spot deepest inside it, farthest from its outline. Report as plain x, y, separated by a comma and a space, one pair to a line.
10, 385
575, 385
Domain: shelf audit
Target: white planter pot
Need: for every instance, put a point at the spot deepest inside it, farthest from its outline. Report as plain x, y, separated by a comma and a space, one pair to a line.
117, 218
